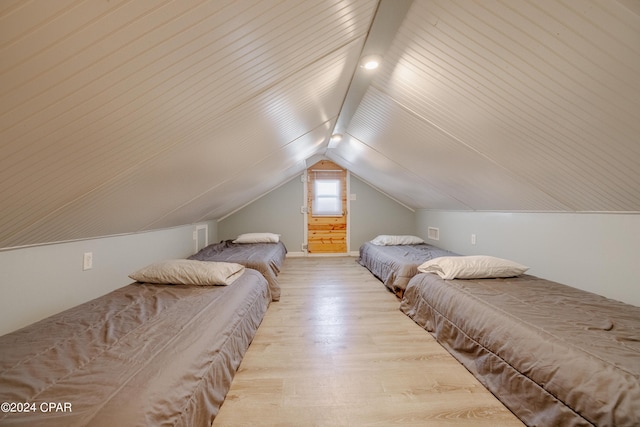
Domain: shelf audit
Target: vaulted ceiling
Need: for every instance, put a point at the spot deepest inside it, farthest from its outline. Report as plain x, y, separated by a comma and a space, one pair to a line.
122, 116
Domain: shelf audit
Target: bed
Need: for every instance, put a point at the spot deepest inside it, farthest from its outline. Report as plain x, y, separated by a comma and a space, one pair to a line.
553, 354
265, 257
396, 264
142, 355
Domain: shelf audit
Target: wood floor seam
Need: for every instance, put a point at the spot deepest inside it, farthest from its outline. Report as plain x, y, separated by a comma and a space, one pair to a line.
337, 351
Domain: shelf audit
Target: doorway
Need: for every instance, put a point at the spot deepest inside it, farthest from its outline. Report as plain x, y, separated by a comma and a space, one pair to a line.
326, 208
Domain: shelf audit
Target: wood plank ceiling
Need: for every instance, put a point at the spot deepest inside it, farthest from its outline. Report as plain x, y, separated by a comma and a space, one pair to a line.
122, 116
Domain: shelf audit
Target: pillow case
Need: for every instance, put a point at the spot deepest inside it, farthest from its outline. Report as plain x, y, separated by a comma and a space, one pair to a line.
472, 267
189, 272
386, 240
257, 238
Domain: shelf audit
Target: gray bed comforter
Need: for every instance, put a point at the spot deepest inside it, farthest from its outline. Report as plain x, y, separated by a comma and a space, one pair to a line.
395, 265
553, 354
267, 258
142, 355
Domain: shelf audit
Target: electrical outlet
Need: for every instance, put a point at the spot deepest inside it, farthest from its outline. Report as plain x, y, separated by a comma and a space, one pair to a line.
87, 261
473, 239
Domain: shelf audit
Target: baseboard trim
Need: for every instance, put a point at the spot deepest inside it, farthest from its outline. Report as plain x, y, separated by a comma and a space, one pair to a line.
306, 254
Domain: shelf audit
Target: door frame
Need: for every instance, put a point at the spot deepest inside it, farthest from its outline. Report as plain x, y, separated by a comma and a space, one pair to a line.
305, 210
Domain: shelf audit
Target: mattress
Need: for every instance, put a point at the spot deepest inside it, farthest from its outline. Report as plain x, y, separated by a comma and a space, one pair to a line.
267, 258
142, 355
395, 265
553, 354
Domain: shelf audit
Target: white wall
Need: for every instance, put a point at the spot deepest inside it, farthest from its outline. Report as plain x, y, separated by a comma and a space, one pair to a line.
374, 213
39, 281
276, 212
371, 213
594, 252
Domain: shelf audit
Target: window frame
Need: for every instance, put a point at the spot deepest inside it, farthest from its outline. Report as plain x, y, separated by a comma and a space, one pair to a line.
335, 196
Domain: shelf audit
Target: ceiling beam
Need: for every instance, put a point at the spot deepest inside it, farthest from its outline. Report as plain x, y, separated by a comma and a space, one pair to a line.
389, 15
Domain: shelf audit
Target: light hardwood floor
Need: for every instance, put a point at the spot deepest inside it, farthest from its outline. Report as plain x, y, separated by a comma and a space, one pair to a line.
337, 351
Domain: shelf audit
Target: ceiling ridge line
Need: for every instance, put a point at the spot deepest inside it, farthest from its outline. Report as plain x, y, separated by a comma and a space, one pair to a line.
353, 73
242, 103
149, 159
382, 37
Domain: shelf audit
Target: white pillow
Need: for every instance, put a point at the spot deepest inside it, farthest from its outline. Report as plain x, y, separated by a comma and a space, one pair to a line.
472, 267
386, 240
189, 272
257, 238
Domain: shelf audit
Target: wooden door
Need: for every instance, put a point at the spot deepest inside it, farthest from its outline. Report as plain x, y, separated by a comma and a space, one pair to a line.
326, 232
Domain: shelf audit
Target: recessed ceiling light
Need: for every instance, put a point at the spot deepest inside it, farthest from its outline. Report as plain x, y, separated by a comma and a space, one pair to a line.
370, 62
335, 139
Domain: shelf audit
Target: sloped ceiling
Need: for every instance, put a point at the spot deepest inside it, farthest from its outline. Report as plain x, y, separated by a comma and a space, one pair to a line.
511, 105
123, 116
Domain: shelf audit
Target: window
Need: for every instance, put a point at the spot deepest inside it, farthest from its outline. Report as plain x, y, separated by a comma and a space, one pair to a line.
327, 197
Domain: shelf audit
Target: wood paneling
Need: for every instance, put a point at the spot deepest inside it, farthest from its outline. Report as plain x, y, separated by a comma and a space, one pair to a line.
337, 351
506, 105
123, 116
326, 234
